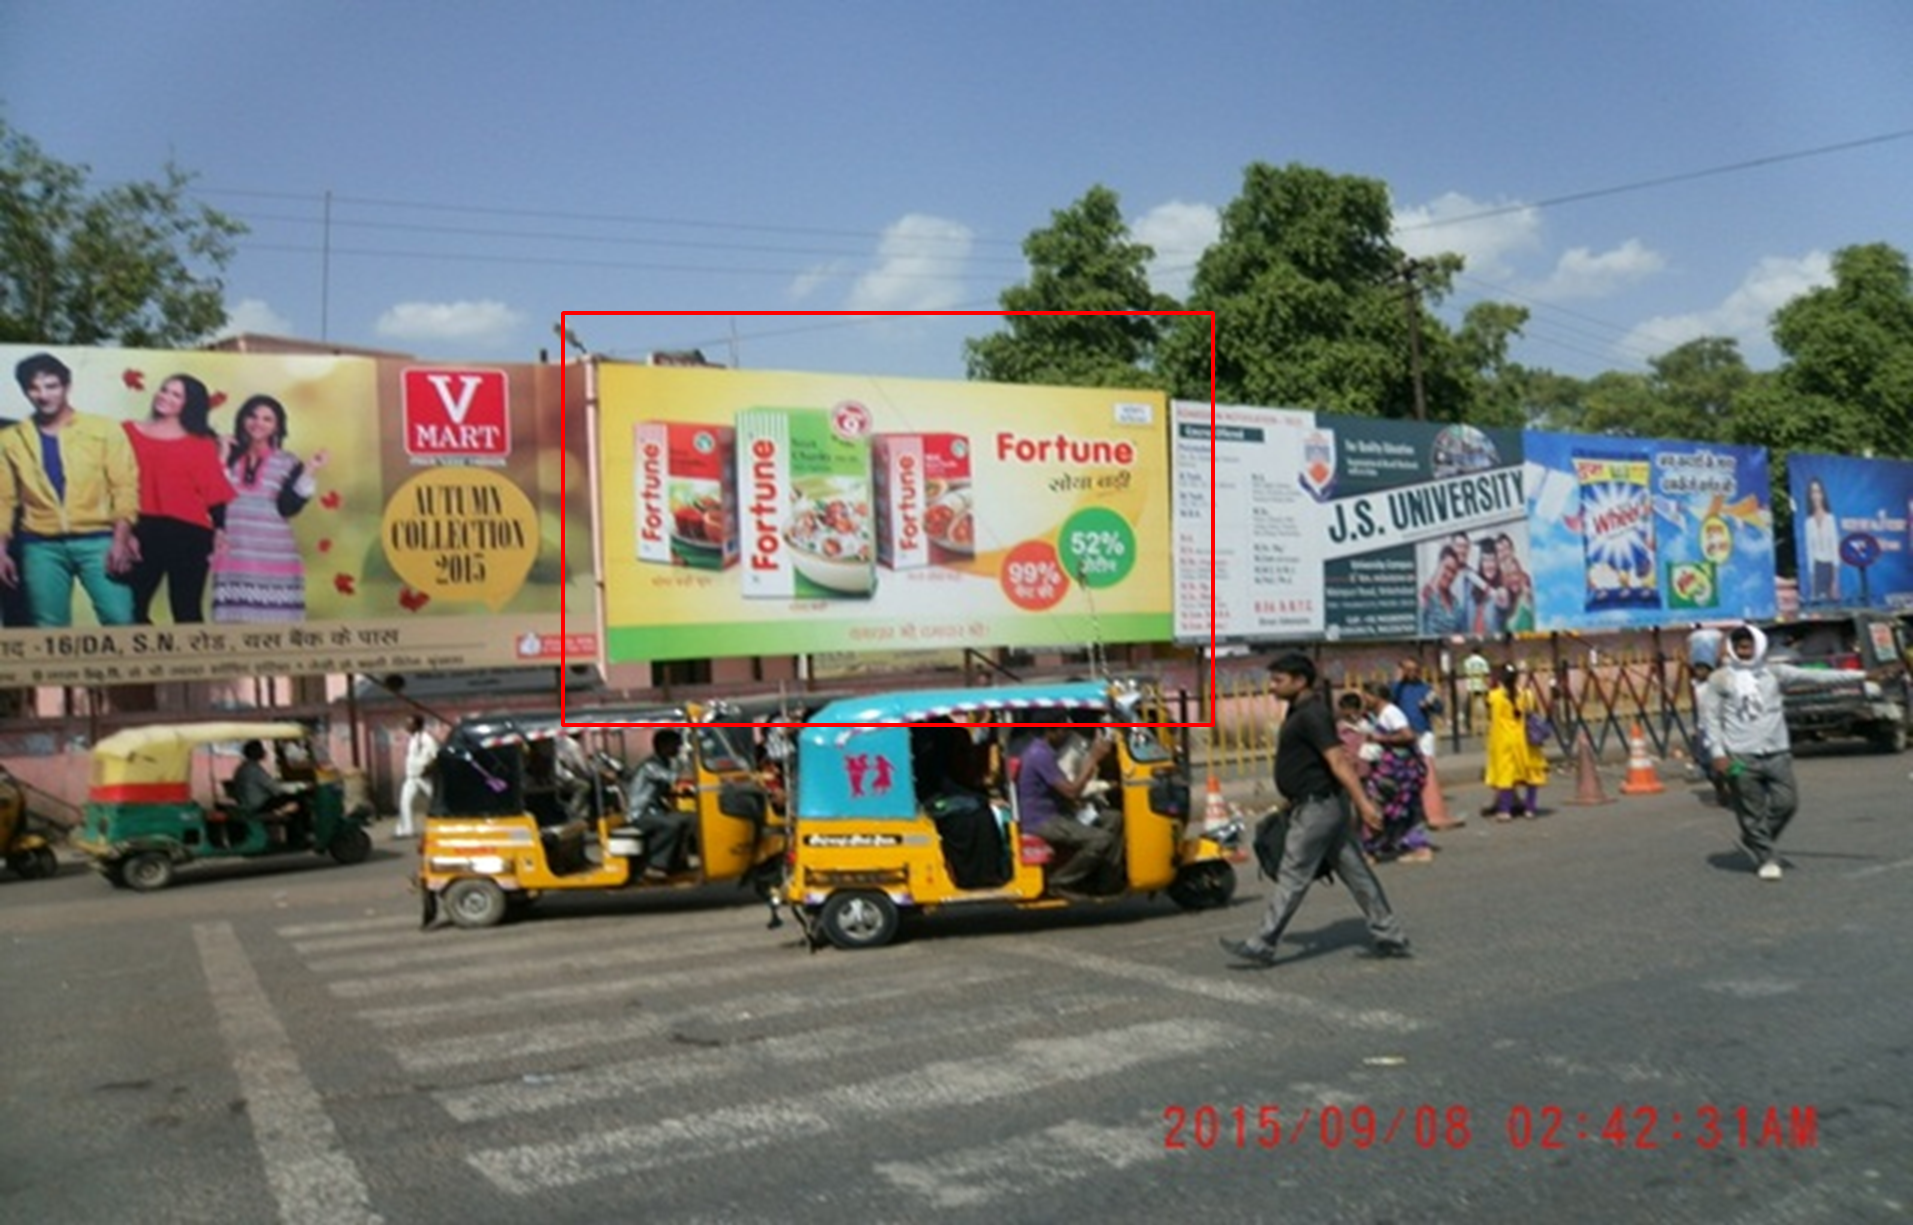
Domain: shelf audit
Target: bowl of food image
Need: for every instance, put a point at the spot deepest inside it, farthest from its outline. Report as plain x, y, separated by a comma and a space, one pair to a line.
698, 523
949, 523
829, 534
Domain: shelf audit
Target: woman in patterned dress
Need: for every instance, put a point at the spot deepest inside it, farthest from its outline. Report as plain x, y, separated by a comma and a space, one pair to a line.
1395, 781
258, 574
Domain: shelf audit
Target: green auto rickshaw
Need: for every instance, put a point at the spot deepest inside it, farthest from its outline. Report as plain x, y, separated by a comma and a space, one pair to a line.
155, 804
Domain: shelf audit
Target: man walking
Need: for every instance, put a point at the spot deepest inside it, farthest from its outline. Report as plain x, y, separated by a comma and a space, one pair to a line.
1314, 774
421, 763
1747, 733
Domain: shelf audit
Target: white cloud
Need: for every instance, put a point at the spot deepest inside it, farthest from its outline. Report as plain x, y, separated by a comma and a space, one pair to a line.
1745, 313
1580, 273
252, 316
813, 279
475, 323
922, 260
1484, 234
1180, 233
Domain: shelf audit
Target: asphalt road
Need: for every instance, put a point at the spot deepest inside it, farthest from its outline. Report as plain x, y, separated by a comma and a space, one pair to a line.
1609, 1019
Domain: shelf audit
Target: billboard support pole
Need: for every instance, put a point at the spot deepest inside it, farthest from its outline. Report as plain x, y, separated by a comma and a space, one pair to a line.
352, 718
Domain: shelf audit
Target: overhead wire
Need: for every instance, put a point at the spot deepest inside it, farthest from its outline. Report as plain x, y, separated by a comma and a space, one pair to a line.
1549, 202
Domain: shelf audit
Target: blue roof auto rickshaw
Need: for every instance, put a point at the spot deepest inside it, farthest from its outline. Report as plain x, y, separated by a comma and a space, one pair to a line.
146, 814
502, 830
876, 835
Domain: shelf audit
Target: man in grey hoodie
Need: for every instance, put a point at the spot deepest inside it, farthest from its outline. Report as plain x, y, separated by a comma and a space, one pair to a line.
1740, 706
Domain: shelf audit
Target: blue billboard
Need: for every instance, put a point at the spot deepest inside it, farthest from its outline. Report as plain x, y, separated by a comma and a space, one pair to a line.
1639, 532
1853, 528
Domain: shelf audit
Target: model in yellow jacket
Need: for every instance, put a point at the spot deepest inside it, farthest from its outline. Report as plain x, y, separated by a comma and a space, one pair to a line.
74, 482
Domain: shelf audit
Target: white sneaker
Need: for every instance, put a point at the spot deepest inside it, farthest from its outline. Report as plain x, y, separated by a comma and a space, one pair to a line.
1770, 871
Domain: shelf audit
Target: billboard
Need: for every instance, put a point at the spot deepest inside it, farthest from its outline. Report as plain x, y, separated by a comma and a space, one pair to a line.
1853, 531
1640, 532
1346, 527
200, 516
754, 513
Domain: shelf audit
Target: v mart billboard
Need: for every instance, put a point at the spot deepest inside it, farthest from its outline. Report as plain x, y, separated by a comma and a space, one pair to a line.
747, 512
196, 516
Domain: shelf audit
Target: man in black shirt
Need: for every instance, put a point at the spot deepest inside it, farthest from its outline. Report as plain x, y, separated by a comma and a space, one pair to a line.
1314, 774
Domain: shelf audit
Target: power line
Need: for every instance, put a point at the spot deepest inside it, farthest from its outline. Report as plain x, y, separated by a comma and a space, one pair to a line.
558, 262
600, 218
1663, 180
548, 236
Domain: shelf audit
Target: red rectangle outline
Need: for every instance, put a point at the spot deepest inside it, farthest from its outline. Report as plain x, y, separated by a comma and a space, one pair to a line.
564, 369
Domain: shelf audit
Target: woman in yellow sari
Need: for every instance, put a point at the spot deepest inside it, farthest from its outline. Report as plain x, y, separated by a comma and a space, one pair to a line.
1512, 762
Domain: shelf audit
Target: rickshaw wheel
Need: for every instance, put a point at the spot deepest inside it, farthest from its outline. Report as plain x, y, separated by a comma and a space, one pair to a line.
350, 845
474, 902
37, 863
859, 919
147, 871
1203, 886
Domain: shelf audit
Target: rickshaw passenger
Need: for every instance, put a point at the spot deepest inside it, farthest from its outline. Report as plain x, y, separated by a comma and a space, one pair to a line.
259, 796
575, 778
652, 786
949, 789
1046, 798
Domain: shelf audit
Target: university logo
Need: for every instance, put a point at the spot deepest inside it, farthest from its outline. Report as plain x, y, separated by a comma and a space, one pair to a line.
1318, 464
456, 413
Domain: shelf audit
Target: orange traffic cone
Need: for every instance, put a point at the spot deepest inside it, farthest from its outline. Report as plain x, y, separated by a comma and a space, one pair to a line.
1641, 778
1434, 805
1587, 780
1216, 811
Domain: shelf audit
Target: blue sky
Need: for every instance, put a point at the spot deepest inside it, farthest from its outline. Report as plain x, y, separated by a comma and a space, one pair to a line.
491, 165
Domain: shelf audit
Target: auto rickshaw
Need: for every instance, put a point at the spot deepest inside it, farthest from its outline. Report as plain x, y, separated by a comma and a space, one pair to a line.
147, 815
27, 849
501, 833
872, 838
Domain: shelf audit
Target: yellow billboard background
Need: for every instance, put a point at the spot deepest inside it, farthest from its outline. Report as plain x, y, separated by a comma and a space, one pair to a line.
411, 563
1066, 493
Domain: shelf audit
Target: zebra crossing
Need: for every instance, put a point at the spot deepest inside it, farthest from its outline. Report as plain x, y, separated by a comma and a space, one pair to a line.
631, 1051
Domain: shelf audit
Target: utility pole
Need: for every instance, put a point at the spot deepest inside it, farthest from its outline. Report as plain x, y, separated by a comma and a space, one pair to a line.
1410, 270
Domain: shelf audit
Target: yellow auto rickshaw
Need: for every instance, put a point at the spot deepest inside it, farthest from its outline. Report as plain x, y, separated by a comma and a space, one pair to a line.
157, 801
28, 850
505, 828
874, 835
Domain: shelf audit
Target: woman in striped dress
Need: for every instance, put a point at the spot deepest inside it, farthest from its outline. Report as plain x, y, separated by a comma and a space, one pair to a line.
258, 574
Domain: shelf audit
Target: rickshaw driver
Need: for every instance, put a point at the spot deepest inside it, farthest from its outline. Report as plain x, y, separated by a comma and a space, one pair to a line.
654, 781
1045, 798
260, 797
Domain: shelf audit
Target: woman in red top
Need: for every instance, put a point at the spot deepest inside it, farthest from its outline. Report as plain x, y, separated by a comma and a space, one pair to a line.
183, 491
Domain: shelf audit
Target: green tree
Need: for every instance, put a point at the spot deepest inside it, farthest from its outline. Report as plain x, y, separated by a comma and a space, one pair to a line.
1846, 384
1689, 392
1310, 305
1498, 390
135, 264
1084, 260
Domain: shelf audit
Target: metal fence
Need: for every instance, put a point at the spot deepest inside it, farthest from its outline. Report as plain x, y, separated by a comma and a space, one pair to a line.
1605, 698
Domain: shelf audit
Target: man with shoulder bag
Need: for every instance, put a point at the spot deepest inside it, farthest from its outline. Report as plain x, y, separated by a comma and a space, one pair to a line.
1314, 775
